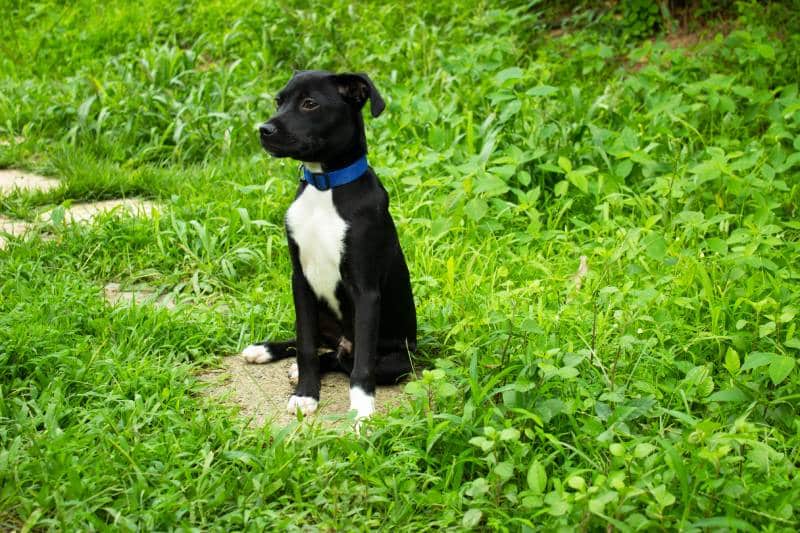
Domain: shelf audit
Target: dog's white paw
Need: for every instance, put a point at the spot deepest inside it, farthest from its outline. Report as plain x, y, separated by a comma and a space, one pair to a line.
362, 403
306, 404
294, 374
257, 353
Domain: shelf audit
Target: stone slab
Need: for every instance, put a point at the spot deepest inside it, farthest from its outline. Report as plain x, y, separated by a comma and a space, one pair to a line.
116, 294
86, 212
15, 228
12, 179
9, 141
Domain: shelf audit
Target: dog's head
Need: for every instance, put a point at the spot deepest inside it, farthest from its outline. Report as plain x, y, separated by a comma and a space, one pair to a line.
319, 117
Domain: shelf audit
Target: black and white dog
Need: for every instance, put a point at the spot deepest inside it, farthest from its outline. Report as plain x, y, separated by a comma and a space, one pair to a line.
352, 294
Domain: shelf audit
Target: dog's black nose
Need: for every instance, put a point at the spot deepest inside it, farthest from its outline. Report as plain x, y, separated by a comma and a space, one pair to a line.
267, 129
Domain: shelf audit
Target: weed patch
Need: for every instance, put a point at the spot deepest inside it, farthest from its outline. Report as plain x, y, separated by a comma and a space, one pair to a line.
604, 261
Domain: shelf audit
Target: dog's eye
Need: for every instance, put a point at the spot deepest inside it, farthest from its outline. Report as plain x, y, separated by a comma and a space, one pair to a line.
308, 104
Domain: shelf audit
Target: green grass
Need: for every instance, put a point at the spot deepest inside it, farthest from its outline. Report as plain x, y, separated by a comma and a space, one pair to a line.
661, 394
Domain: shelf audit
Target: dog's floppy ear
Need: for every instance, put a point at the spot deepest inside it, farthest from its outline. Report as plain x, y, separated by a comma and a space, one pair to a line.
356, 88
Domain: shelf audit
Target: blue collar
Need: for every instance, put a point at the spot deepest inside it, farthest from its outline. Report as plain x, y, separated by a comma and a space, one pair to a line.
336, 178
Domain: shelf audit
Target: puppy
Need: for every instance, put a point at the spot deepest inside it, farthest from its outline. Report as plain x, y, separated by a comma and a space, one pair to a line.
352, 295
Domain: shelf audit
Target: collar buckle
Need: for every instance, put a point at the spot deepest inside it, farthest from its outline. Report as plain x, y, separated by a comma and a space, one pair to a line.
327, 181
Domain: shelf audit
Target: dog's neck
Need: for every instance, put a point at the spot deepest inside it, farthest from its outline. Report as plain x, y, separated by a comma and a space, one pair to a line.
336, 163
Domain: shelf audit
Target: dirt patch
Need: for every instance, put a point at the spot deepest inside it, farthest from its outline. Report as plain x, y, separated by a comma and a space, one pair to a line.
11, 180
86, 212
261, 392
15, 228
682, 40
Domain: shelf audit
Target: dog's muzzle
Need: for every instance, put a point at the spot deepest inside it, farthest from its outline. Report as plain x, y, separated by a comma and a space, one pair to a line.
270, 139
267, 130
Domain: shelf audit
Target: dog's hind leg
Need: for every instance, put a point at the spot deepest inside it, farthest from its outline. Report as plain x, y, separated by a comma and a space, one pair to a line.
390, 367
266, 352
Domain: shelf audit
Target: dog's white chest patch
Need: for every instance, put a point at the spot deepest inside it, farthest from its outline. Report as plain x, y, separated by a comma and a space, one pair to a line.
319, 232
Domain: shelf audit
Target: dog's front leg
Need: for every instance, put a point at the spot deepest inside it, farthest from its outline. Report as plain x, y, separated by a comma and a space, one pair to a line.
362, 378
306, 396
